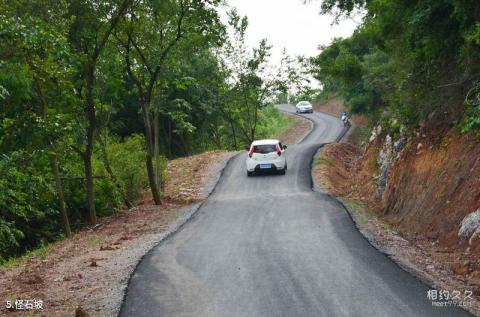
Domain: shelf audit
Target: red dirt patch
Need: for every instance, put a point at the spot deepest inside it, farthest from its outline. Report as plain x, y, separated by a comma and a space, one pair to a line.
430, 189
77, 271
435, 187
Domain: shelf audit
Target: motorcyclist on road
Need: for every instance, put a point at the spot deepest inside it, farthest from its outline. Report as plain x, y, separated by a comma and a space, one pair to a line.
344, 116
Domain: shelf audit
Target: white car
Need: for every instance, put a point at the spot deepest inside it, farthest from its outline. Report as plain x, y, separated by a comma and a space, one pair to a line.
266, 155
304, 106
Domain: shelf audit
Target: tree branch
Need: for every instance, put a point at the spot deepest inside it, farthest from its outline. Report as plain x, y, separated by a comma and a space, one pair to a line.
178, 35
129, 70
140, 53
113, 24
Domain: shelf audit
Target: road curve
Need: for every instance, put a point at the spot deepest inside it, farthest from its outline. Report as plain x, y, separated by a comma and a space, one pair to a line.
270, 246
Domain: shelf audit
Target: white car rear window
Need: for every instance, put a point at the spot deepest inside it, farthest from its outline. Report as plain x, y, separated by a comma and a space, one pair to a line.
264, 149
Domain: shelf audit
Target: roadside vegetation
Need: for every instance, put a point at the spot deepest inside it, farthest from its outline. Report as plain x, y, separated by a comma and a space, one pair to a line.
96, 263
97, 97
406, 62
413, 69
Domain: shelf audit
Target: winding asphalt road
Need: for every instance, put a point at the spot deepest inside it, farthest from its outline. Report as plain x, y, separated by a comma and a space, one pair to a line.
270, 246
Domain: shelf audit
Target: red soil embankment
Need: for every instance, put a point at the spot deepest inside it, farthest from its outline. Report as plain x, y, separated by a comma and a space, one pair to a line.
433, 184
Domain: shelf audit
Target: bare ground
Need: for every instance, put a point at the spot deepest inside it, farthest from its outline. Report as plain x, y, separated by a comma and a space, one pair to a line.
416, 220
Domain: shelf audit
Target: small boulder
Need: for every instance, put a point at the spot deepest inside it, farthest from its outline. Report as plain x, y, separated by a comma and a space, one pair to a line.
80, 312
470, 226
399, 144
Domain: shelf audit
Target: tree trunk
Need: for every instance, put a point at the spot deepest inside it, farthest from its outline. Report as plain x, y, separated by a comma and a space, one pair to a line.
169, 138
255, 119
61, 198
234, 134
87, 155
152, 179
156, 147
87, 163
54, 166
89, 73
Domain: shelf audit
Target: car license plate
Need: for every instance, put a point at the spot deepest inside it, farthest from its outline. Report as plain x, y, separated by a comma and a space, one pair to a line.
265, 165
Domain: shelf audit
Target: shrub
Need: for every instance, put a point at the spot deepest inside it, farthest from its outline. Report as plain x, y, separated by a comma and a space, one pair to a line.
128, 163
28, 216
272, 123
471, 116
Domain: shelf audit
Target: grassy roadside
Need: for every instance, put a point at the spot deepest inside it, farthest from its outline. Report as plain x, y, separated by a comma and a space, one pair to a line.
273, 123
295, 130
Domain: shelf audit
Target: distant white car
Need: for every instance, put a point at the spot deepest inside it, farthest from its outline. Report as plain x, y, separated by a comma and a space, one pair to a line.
304, 106
266, 155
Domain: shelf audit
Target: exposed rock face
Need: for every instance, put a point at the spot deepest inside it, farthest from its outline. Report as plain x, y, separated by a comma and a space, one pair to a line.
432, 195
470, 226
385, 160
387, 155
399, 144
376, 131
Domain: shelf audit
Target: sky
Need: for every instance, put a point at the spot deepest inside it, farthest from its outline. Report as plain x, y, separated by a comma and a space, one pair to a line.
290, 24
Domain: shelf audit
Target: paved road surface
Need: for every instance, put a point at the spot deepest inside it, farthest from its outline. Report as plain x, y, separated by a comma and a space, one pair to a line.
270, 246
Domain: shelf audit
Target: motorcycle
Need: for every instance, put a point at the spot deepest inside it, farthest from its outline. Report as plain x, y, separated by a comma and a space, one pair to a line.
345, 121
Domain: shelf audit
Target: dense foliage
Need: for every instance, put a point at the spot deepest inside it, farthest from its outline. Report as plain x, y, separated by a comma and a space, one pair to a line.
96, 95
408, 60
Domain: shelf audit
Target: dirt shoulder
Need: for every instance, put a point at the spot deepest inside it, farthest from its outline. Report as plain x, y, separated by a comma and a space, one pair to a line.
87, 275
350, 173
297, 131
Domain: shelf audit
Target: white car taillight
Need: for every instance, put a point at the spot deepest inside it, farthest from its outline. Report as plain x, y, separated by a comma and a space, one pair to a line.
279, 150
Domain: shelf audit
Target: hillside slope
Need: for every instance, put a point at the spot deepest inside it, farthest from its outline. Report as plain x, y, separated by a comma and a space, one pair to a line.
421, 188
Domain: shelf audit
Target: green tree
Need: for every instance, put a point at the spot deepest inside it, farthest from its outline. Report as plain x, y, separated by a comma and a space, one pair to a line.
92, 26
252, 85
151, 31
40, 54
413, 58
